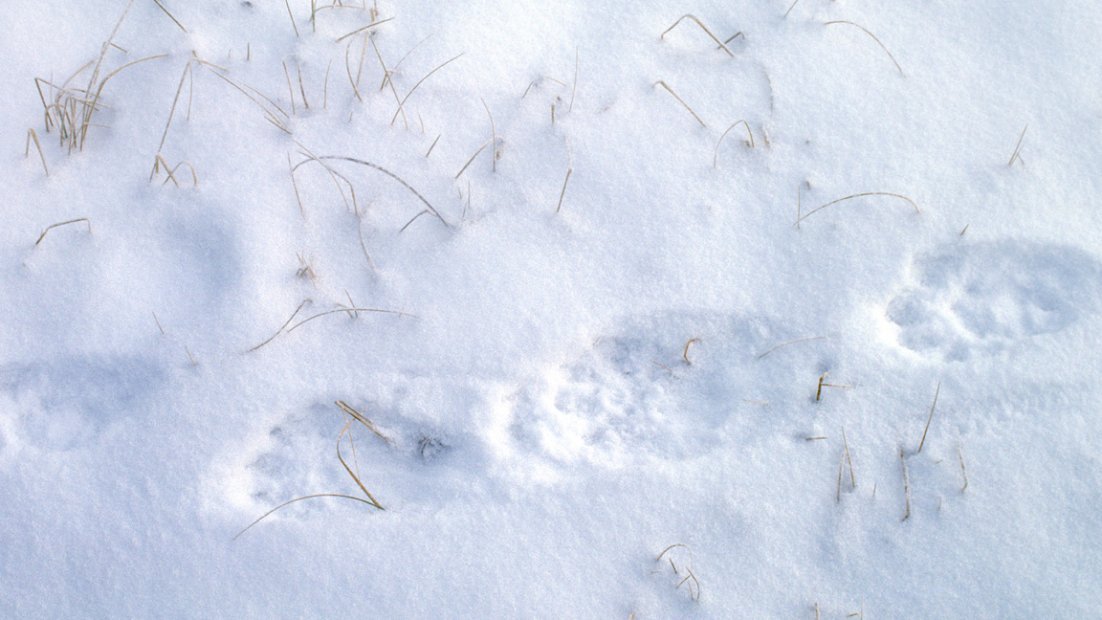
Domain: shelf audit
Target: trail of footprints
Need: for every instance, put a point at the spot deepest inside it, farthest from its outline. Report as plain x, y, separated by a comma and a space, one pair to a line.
631, 396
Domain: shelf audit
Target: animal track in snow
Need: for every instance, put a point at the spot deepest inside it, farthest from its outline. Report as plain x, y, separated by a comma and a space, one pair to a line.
984, 297
65, 404
631, 396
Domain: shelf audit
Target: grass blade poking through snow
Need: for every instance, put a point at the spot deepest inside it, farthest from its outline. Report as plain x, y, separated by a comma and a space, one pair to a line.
702, 27
1017, 154
663, 84
31, 135
282, 327
402, 103
562, 193
929, 419
749, 135
428, 206
860, 195
874, 38
53, 226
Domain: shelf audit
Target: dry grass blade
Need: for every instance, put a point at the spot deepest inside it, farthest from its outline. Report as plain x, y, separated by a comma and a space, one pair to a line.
749, 135
874, 38
470, 161
702, 27
338, 310
668, 549
170, 15
290, 91
340, 457
291, 16
390, 174
402, 103
432, 146
66, 223
387, 81
1017, 155
160, 163
348, 72
574, 87
362, 419
906, 485
792, 6
301, 86
93, 105
32, 136
685, 351
299, 499
860, 195
562, 193
269, 114
172, 110
663, 84
294, 184
929, 419
963, 471
334, 175
493, 136
359, 30
282, 327
791, 342
849, 460
693, 594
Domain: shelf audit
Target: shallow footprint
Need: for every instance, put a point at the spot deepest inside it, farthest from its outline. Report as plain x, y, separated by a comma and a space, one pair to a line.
983, 298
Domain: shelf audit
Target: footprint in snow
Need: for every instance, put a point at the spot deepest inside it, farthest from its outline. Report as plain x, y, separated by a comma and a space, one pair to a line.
983, 298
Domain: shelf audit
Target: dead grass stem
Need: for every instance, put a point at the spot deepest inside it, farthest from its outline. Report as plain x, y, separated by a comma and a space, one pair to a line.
696, 20
874, 38
663, 84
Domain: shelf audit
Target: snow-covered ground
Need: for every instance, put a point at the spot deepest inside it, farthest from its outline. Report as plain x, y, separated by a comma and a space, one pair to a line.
603, 268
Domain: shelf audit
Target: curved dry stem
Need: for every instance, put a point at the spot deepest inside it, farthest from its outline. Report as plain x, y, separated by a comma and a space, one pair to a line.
328, 312
53, 226
371, 498
663, 84
402, 103
702, 27
282, 327
92, 106
874, 38
668, 549
471, 160
749, 134
860, 195
335, 176
790, 342
685, 352
299, 499
390, 174
359, 30
562, 193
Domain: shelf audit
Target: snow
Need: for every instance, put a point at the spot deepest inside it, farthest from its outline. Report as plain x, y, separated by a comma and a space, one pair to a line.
608, 343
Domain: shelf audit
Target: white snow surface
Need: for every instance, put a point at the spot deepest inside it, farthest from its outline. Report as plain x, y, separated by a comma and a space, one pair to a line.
569, 381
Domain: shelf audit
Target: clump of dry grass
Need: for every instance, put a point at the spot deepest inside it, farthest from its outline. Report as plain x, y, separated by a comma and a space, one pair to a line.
70, 110
690, 579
